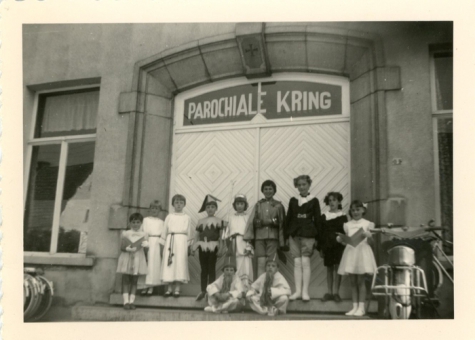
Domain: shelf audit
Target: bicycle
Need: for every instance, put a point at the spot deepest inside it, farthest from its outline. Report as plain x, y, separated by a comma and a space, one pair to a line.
436, 241
37, 294
405, 285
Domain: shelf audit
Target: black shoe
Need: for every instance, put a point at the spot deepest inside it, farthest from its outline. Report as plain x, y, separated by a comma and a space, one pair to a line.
132, 306
327, 297
200, 296
337, 298
126, 306
167, 294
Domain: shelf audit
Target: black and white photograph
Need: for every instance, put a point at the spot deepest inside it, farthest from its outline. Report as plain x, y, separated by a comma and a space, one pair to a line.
207, 174
241, 171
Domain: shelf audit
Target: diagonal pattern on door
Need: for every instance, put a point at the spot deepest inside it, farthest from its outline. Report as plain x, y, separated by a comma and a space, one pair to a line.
208, 163
320, 151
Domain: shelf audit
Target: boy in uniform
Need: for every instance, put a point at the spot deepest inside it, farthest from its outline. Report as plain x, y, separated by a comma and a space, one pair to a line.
265, 226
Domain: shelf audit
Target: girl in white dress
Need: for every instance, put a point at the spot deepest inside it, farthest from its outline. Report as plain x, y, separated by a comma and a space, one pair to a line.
132, 263
234, 233
153, 226
178, 239
357, 261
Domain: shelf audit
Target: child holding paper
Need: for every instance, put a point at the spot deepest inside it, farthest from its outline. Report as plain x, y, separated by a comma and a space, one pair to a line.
358, 259
132, 261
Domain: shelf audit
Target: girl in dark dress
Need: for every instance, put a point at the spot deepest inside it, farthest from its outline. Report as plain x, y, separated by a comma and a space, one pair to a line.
330, 249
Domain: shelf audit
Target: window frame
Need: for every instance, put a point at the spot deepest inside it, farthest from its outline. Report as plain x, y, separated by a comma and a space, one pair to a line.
63, 141
435, 110
436, 116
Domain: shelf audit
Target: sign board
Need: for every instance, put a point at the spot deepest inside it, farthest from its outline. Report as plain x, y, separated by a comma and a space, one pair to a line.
274, 100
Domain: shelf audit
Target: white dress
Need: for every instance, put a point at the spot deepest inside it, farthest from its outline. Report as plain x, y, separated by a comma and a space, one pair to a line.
359, 259
237, 227
177, 233
154, 228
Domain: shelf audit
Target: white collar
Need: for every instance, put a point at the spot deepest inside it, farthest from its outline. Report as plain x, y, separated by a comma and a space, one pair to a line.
303, 200
331, 215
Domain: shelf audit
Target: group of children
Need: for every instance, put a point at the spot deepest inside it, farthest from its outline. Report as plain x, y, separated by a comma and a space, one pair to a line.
265, 233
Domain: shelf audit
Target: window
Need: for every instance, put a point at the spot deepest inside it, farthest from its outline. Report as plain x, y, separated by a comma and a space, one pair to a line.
442, 112
61, 159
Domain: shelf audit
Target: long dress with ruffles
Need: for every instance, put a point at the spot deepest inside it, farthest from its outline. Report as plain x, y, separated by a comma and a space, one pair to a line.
178, 236
132, 263
359, 259
154, 228
235, 231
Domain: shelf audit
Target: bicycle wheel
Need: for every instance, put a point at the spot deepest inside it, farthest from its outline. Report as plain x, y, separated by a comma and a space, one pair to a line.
34, 296
438, 276
46, 299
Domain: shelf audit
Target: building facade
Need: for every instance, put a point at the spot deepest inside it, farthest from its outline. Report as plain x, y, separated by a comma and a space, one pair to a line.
116, 115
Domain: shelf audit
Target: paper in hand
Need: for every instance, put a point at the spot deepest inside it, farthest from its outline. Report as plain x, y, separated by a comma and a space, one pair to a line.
136, 244
355, 239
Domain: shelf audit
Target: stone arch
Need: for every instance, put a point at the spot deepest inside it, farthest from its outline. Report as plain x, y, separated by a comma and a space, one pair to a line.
308, 48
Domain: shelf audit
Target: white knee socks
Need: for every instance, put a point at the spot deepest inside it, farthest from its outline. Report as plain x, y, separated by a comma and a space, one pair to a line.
353, 311
132, 298
360, 311
307, 273
298, 279
126, 298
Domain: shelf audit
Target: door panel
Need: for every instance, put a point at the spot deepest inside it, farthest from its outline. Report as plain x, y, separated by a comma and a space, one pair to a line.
209, 163
320, 151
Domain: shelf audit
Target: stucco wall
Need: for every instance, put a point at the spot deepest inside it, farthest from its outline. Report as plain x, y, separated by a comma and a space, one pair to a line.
56, 53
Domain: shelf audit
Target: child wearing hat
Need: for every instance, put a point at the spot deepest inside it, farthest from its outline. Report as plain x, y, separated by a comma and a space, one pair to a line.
270, 293
206, 241
225, 294
236, 245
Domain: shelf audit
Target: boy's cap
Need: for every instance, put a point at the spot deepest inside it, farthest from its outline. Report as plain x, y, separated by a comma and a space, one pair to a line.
274, 259
240, 198
209, 199
230, 261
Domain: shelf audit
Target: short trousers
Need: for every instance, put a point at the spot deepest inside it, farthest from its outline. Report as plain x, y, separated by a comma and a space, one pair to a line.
266, 248
301, 246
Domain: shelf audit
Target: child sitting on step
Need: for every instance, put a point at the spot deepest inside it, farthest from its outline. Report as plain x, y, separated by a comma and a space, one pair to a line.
270, 293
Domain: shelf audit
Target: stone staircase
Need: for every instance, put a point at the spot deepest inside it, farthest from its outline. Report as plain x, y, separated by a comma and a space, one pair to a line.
185, 308
116, 313
189, 302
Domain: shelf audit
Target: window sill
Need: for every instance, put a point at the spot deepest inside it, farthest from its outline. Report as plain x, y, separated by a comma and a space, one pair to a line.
58, 259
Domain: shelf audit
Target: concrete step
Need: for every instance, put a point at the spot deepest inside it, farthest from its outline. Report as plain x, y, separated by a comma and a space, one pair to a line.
189, 302
116, 313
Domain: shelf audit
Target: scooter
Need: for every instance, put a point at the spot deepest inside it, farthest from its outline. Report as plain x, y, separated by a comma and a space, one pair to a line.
400, 281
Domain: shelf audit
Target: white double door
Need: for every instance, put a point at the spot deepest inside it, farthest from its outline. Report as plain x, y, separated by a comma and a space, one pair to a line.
224, 163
